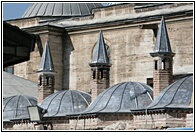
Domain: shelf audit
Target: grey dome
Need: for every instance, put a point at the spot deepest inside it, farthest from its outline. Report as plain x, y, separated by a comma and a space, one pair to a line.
60, 9
65, 102
15, 107
14, 85
121, 98
176, 95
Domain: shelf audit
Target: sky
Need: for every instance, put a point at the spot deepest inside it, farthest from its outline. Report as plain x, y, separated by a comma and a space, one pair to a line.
14, 10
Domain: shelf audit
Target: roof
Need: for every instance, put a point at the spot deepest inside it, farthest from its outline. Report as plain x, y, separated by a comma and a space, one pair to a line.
65, 102
162, 45
120, 98
15, 107
100, 54
175, 95
14, 85
127, 18
60, 9
17, 45
46, 64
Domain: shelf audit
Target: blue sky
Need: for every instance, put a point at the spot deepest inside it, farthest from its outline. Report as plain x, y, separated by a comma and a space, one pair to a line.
14, 10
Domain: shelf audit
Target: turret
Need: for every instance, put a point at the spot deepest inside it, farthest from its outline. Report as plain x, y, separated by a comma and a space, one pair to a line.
46, 75
163, 60
100, 67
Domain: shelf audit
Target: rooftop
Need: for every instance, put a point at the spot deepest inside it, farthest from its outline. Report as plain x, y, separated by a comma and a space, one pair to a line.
14, 85
120, 98
15, 107
60, 9
175, 95
65, 102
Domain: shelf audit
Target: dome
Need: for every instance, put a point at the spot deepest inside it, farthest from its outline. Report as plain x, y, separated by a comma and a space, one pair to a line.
121, 98
14, 85
15, 107
65, 102
115, 3
176, 95
60, 9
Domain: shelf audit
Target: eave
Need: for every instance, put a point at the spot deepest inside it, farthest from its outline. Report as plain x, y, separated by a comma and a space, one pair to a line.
17, 45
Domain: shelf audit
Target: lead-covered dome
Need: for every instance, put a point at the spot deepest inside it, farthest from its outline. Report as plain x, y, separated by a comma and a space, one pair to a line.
176, 95
60, 9
14, 85
65, 102
15, 107
121, 98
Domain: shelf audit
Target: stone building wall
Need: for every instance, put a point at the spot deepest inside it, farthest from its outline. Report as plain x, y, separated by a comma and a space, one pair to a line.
113, 11
180, 33
128, 63
113, 122
129, 45
160, 121
28, 69
24, 23
189, 120
102, 121
130, 48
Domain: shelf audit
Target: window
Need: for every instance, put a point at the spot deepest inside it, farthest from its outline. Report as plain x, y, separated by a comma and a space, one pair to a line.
94, 72
163, 65
155, 64
101, 73
47, 80
40, 80
150, 82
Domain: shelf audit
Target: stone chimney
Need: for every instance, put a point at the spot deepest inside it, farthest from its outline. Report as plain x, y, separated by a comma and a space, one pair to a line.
163, 58
46, 75
100, 68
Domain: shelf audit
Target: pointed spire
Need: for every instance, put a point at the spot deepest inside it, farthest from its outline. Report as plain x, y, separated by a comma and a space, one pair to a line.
162, 45
46, 64
100, 52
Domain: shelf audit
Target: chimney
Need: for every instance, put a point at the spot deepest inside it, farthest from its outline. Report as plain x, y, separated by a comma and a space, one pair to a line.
100, 68
46, 75
163, 58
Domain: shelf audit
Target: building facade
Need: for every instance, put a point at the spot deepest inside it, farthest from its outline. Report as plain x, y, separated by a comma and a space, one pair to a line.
130, 39
129, 33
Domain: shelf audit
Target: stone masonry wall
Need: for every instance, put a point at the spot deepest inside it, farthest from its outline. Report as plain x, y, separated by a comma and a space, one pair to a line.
130, 48
189, 120
181, 40
161, 80
111, 121
102, 121
128, 62
28, 70
160, 121
130, 59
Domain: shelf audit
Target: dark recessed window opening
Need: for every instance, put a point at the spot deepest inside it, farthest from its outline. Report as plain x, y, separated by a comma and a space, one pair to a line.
94, 74
47, 80
155, 64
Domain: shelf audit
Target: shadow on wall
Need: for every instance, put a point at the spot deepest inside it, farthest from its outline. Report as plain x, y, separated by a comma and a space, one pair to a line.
68, 48
39, 45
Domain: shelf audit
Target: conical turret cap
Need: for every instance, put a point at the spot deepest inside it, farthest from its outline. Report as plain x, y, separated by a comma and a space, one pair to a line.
46, 64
